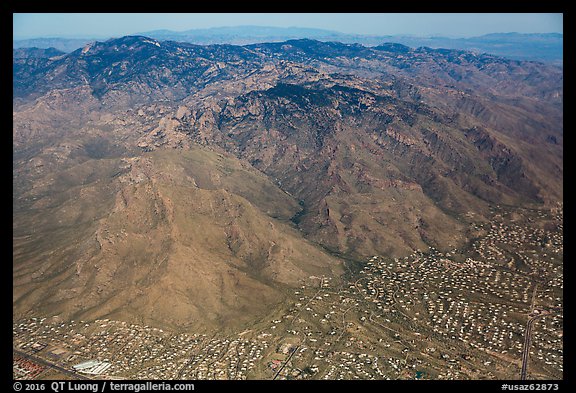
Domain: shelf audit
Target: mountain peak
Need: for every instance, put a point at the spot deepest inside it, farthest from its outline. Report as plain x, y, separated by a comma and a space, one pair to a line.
133, 39
393, 47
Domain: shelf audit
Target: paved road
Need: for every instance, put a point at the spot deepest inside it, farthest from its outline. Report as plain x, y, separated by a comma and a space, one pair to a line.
526, 349
528, 334
527, 341
49, 364
286, 362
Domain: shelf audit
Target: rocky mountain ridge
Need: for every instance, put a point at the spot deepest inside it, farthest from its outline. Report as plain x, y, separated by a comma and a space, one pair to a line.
535, 47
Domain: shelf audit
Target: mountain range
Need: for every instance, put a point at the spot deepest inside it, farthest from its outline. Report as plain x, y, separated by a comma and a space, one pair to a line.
192, 185
536, 47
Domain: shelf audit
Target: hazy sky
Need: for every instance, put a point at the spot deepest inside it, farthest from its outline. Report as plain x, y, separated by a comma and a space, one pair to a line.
451, 25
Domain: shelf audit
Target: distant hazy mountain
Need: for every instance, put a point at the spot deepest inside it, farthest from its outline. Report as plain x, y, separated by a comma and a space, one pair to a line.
64, 44
242, 35
539, 47
26, 53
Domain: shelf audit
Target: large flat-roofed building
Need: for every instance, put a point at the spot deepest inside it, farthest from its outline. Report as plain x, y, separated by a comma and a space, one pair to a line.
92, 367
86, 364
102, 367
